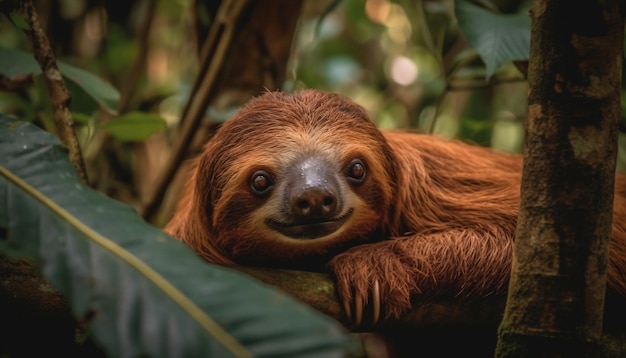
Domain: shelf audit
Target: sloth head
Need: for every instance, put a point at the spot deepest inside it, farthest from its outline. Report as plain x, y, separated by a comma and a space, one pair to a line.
289, 181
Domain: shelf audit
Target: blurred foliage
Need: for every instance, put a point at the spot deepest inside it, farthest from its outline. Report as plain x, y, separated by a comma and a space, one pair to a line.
409, 63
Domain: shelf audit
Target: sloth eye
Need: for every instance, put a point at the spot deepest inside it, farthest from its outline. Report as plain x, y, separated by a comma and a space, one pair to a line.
356, 171
260, 182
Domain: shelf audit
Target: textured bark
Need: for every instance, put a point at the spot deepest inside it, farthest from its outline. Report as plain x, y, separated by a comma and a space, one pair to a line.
36, 315
59, 94
318, 291
557, 287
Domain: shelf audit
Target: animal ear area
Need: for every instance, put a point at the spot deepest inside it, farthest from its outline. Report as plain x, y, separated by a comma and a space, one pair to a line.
205, 185
195, 206
192, 222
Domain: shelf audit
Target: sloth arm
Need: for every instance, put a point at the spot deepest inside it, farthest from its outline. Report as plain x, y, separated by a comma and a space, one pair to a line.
391, 274
459, 204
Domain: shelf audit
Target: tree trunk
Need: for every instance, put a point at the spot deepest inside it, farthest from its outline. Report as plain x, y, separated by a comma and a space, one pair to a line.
557, 288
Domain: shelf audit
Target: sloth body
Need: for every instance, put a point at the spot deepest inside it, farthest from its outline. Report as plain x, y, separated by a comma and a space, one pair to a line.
306, 181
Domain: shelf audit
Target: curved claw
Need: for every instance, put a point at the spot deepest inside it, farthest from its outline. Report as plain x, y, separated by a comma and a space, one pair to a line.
360, 302
358, 309
376, 302
347, 309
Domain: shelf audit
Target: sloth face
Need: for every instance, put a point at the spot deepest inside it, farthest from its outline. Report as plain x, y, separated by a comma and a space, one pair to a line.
314, 197
292, 181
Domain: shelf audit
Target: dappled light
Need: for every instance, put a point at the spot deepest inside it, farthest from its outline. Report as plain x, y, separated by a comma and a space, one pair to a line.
403, 71
149, 101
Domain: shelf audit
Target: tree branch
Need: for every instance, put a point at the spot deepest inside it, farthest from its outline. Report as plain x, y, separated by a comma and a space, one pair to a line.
318, 291
214, 51
59, 95
143, 39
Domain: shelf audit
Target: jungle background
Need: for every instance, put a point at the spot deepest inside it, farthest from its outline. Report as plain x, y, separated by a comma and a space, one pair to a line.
407, 62
412, 64
151, 80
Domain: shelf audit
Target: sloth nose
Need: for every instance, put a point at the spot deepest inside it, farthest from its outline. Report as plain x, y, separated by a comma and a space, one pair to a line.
313, 190
314, 204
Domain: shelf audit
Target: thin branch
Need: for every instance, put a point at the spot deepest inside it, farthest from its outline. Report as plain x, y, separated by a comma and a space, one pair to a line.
59, 94
214, 51
484, 84
466, 87
143, 40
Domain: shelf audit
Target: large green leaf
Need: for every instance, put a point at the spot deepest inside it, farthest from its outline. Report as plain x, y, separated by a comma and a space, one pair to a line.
14, 62
498, 38
152, 296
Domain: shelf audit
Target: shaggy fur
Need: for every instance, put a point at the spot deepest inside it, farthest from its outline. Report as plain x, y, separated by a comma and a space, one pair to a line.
431, 218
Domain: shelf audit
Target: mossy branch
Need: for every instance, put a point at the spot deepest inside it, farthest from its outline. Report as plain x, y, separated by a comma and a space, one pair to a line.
318, 291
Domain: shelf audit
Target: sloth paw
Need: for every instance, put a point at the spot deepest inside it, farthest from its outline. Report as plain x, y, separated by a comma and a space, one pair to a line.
356, 307
370, 292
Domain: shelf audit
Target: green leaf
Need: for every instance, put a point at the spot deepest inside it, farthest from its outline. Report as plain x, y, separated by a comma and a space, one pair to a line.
134, 126
19, 21
105, 94
498, 38
81, 118
151, 295
14, 62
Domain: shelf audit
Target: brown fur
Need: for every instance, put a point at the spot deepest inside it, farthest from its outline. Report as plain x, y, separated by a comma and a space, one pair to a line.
433, 217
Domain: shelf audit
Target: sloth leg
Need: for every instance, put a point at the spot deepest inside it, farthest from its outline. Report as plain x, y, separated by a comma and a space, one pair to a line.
391, 275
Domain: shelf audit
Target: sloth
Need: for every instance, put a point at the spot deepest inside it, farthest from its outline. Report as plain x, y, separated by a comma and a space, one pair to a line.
307, 181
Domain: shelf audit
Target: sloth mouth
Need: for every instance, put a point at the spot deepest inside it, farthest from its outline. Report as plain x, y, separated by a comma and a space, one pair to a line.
308, 229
